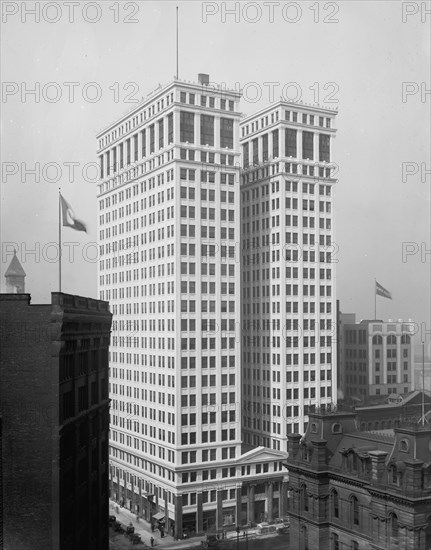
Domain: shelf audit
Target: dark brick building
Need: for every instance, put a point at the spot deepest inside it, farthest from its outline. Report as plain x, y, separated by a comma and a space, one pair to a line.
54, 409
352, 490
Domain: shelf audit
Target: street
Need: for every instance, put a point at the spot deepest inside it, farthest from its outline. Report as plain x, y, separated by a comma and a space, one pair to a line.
275, 542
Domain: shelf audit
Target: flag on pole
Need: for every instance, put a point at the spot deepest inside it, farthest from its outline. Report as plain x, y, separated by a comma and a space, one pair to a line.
381, 291
68, 216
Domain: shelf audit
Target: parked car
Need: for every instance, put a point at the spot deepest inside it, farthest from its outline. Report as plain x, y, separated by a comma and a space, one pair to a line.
135, 538
212, 541
265, 528
112, 520
284, 530
119, 527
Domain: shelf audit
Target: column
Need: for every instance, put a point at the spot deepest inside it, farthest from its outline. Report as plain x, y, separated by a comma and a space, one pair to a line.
283, 500
199, 514
316, 147
250, 503
132, 499
178, 534
167, 521
219, 511
238, 500
270, 496
140, 499
299, 144
282, 141
217, 132
197, 123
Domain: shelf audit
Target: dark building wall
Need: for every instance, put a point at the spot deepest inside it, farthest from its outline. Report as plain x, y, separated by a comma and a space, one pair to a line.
55, 407
29, 397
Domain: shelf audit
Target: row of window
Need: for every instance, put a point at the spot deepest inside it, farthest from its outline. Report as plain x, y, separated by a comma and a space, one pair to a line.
257, 150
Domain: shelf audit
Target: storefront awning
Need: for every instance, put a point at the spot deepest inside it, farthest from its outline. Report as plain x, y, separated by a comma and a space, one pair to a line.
159, 516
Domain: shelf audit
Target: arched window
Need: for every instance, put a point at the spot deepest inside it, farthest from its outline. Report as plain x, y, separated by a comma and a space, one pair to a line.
404, 445
335, 509
394, 526
304, 498
354, 510
391, 339
304, 538
335, 542
393, 474
428, 533
377, 340
336, 428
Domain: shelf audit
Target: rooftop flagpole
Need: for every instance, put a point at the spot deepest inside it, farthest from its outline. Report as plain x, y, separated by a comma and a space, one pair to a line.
177, 75
423, 383
59, 239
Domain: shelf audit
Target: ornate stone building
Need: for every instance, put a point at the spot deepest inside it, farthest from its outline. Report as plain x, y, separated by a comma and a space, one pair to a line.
359, 490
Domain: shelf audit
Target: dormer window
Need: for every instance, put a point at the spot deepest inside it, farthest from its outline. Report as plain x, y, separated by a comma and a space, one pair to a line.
404, 445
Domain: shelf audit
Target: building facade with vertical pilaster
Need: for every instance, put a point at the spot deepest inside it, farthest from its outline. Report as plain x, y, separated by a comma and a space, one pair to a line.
288, 269
54, 422
169, 228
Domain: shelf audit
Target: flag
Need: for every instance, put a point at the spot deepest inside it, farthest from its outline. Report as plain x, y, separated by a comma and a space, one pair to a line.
381, 291
68, 215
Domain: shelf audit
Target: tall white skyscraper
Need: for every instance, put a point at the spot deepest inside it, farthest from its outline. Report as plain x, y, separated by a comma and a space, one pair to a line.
169, 233
288, 270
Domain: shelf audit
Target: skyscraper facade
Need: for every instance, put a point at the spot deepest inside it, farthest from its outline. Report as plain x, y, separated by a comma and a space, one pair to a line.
288, 269
169, 224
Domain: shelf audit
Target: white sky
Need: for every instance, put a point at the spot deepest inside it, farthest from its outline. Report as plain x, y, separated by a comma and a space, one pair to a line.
367, 54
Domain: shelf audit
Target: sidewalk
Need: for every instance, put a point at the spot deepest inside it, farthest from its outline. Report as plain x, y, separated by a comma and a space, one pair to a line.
143, 528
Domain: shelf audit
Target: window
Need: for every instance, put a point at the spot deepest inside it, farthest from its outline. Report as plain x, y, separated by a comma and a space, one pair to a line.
304, 498
275, 149
187, 123
324, 153
354, 510
226, 132
394, 526
207, 130
304, 538
290, 143
335, 542
307, 145
335, 509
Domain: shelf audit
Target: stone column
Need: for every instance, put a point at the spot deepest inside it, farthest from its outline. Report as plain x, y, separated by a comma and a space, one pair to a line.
238, 506
167, 521
270, 497
132, 499
199, 514
219, 511
282, 505
299, 144
178, 534
250, 503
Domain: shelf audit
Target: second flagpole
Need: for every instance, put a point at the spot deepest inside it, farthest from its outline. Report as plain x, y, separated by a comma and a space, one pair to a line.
375, 299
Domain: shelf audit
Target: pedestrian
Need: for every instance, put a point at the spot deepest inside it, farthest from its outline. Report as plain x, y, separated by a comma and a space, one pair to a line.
152, 542
152, 527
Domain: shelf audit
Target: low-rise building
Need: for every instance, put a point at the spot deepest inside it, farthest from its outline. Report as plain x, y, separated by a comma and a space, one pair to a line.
377, 358
359, 490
